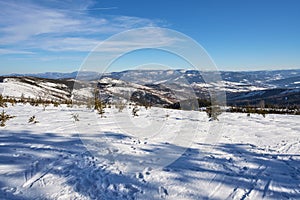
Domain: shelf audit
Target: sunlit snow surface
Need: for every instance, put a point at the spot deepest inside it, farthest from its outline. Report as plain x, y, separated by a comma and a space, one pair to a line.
119, 156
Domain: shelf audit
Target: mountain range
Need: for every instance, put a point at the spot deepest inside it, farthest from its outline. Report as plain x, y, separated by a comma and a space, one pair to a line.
165, 87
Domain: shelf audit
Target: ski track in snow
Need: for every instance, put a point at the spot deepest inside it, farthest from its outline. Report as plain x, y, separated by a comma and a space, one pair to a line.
254, 158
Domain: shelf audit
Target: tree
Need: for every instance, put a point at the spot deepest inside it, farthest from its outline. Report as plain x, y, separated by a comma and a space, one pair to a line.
4, 118
45, 104
55, 104
2, 103
100, 107
98, 104
12, 101
213, 112
135, 109
22, 99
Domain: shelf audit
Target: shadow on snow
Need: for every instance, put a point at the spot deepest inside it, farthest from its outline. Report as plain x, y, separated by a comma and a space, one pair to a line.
31, 157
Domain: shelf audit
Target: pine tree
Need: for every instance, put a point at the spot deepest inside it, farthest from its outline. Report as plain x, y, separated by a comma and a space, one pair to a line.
1, 101
213, 112
22, 99
55, 104
135, 109
12, 101
98, 104
96, 98
4, 118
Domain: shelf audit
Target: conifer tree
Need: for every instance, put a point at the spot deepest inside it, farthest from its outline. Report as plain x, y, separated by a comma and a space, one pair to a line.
1, 101
4, 118
135, 110
213, 112
100, 108
22, 99
98, 104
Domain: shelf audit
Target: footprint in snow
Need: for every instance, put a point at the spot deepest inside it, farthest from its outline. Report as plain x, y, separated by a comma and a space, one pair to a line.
140, 177
147, 171
163, 192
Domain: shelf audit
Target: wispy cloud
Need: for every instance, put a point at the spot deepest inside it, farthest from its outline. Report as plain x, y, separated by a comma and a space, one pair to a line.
68, 27
11, 51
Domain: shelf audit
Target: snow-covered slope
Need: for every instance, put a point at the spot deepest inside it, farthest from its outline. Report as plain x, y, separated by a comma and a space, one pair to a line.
134, 92
161, 154
30, 87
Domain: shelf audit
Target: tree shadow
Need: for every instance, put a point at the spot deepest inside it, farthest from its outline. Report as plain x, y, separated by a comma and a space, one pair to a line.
241, 167
30, 163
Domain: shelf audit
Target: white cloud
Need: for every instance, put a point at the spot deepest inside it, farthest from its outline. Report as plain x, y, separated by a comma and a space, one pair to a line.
11, 51
137, 39
34, 26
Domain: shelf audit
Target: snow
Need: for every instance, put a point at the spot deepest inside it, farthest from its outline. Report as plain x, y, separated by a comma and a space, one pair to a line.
12, 87
83, 93
161, 154
229, 86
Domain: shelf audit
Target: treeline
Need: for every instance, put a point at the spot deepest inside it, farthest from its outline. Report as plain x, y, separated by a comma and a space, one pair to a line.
293, 110
190, 104
31, 101
261, 108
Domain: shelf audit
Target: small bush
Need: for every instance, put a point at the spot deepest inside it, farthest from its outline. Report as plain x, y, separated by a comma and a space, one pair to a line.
75, 117
32, 120
55, 104
120, 106
45, 105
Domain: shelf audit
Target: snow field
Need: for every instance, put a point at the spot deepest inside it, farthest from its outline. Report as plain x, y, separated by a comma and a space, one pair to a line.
161, 154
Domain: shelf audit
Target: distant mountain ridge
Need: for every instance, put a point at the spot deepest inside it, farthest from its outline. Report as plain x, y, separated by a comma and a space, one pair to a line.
265, 78
280, 87
49, 75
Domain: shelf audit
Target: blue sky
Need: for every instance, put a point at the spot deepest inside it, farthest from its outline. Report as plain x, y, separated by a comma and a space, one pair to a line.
40, 36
